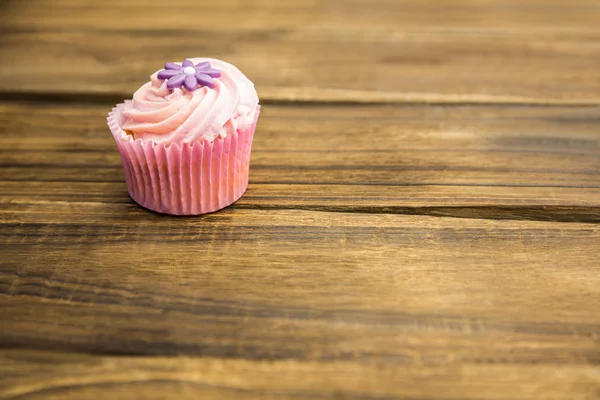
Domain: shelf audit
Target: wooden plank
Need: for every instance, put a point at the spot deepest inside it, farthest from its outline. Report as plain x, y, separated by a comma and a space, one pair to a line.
523, 52
269, 284
457, 15
498, 162
77, 376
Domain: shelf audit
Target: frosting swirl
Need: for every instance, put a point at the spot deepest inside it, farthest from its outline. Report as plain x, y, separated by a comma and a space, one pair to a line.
180, 116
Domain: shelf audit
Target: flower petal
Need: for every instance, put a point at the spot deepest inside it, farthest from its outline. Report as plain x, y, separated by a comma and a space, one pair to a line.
205, 80
187, 63
212, 72
200, 66
172, 65
168, 73
191, 83
176, 81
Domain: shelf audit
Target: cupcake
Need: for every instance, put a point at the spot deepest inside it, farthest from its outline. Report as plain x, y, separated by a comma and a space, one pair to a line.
186, 135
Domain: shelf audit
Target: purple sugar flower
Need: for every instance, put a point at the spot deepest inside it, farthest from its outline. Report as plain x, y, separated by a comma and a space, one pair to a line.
189, 75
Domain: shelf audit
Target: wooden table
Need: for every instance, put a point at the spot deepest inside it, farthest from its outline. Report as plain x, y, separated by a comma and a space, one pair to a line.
421, 222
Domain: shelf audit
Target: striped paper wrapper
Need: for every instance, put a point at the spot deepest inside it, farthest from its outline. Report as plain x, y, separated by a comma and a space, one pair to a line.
184, 179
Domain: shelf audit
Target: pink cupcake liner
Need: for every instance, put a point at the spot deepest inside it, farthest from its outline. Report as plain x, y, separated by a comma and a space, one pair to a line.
184, 179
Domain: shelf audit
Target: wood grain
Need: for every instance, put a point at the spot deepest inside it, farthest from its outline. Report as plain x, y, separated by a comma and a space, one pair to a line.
520, 52
422, 220
457, 15
414, 296
498, 162
315, 269
62, 376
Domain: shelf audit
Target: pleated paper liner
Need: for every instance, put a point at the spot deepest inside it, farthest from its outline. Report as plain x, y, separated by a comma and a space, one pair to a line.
184, 179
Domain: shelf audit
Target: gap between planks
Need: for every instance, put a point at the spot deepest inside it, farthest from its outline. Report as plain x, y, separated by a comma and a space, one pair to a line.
562, 214
282, 96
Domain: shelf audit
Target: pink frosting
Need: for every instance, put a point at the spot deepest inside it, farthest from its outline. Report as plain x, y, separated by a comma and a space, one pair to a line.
178, 116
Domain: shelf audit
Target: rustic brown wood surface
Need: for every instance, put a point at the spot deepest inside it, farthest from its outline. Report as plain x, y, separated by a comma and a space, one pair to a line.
516, 51
422, 220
